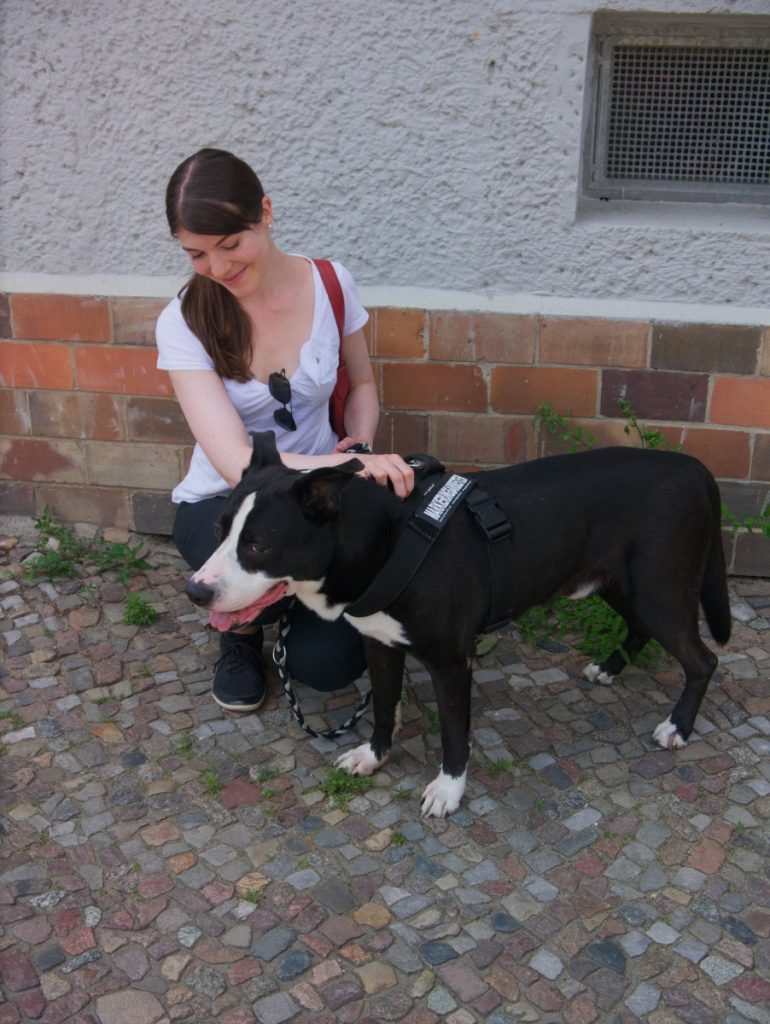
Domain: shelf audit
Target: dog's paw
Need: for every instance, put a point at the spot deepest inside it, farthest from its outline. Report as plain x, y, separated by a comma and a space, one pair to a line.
442, 796
593, 673
360, 760
667, 736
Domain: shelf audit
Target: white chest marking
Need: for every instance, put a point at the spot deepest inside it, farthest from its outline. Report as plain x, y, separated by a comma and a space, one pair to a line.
380, 626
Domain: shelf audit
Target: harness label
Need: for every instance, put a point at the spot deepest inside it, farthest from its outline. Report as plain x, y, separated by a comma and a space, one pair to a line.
441, 504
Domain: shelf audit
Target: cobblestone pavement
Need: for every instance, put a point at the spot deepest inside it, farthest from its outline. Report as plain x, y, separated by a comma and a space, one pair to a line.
163, 860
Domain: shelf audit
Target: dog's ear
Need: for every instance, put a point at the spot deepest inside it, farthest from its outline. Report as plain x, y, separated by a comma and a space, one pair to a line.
319, 491
264, 451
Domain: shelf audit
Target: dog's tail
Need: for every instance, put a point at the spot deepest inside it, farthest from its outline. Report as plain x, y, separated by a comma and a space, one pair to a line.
713, 592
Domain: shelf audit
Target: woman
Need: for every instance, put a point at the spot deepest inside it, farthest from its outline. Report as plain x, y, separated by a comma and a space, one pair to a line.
251, 343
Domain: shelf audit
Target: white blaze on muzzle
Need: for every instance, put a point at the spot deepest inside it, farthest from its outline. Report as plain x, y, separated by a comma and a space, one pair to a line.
239, 595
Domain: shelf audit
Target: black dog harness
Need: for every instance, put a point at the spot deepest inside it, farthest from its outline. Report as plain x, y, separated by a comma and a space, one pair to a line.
441, 495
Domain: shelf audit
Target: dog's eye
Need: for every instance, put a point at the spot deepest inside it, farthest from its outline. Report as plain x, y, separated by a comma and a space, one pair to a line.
256, 549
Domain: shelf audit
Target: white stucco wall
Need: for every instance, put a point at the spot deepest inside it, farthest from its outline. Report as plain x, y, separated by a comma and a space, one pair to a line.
431, 145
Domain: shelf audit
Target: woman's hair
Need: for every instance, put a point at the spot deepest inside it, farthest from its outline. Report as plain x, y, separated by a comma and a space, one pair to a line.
212, 192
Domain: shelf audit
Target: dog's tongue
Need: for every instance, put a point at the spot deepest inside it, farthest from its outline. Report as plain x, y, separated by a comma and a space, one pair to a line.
229, 620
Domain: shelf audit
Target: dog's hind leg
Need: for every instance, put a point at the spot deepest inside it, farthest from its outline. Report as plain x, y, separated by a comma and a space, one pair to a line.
386, 671
453, 694
698, 663
637, 637
675, 627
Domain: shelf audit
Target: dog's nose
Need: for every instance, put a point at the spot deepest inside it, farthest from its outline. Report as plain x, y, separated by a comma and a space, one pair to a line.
199, 593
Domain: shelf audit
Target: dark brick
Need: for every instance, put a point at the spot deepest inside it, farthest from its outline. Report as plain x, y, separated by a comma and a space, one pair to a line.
654, 394
706, 348
152, 512
744, 499
5, 316
17, 499
751, 555
157, 419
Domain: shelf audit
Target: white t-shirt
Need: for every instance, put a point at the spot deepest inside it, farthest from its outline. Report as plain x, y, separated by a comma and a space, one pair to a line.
311, 385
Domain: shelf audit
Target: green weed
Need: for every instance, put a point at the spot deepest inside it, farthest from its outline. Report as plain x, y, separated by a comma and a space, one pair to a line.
211, 783
252, 896
138, 612
341, 787
398, 839
13, 718
184, 746
119, 557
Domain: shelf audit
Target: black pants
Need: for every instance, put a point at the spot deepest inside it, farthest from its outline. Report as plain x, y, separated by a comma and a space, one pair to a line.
324, 655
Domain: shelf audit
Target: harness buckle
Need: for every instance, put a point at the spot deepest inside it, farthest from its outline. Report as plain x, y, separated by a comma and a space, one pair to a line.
488, 515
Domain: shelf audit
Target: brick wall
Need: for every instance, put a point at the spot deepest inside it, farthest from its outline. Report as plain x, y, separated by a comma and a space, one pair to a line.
90, 427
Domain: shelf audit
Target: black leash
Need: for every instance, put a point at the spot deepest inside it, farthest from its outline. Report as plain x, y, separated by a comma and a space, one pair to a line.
279, 657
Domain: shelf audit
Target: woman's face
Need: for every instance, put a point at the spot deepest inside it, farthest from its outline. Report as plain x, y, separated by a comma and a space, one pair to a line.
235, 261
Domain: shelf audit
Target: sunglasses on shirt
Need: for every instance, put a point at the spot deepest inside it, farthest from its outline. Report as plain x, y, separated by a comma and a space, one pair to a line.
280, 389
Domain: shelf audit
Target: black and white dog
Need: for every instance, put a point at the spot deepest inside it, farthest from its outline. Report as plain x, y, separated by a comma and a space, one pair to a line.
640, 528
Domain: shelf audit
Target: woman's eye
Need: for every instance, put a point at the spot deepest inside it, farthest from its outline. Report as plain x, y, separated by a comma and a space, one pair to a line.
229, 248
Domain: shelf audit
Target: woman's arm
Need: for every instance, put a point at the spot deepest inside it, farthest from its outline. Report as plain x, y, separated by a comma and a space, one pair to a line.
220, 432
362, 408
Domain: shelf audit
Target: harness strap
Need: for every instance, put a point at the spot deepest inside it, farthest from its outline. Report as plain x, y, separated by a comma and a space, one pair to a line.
497, 528
440, 497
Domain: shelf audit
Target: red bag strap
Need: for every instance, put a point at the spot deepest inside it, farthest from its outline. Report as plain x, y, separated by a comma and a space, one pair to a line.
334, 290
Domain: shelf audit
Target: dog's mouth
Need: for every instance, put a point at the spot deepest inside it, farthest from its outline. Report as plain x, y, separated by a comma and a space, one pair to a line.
223, 621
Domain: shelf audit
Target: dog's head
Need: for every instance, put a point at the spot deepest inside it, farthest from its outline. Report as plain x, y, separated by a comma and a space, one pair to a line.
275, 532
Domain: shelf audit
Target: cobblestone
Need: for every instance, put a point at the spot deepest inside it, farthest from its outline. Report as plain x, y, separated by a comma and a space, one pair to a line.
163, 860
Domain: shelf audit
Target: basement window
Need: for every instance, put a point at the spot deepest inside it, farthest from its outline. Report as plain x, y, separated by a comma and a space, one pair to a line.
679, 110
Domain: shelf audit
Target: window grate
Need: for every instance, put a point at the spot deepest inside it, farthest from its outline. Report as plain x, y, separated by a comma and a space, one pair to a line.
685, 113
678, 109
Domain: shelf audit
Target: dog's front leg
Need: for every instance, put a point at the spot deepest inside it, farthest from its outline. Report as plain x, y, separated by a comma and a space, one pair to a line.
386, 671
453, 694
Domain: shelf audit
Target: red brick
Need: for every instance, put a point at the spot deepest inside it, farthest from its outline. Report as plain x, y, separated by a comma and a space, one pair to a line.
434, 387
482, 337
456, 438
727, 453
105, 506
403, 432
14, 412
32, 459
134, 319
521, 390
74, 414
593, 342
752, 988
60, 317
120, 370
760, 464
707, 857
741, 402
397, 333
654, 394
157, 419
25, 365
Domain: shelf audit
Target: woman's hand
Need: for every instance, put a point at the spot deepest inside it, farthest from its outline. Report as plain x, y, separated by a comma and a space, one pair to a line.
389, 469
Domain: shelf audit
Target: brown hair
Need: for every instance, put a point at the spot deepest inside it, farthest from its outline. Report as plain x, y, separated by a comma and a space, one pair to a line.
212, 192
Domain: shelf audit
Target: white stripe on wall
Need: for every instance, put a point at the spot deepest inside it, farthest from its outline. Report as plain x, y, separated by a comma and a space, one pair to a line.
525, 303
